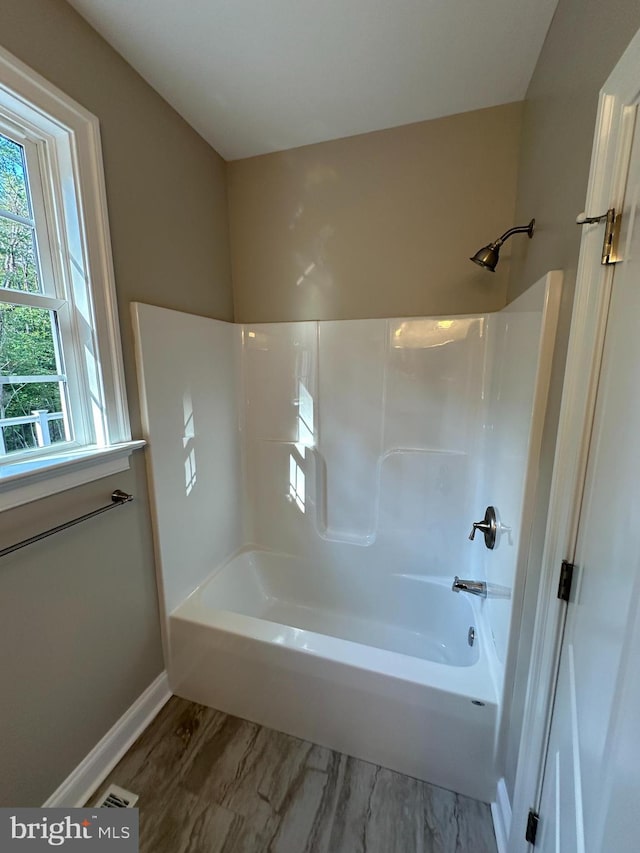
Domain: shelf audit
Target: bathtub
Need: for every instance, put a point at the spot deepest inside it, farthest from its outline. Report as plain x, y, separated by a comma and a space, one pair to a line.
383, 671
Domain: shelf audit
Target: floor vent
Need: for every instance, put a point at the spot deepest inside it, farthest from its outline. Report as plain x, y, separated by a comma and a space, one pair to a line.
115, 797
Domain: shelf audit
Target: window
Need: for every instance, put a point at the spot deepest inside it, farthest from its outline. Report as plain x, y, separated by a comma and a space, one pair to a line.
62, 394
35, 315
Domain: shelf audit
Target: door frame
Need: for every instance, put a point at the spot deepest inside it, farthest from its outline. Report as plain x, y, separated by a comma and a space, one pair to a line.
607, 177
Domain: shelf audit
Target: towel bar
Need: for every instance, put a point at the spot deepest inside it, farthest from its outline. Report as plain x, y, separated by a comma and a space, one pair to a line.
118, 498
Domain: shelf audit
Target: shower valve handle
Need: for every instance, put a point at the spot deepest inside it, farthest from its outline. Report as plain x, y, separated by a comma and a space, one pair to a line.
488, 526
479, 525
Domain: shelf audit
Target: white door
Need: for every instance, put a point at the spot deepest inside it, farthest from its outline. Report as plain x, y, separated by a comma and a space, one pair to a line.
590, 798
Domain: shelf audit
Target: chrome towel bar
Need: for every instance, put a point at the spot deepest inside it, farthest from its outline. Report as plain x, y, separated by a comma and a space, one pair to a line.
118, 498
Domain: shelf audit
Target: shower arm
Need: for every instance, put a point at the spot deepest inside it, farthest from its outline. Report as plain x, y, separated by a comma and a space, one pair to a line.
518, 229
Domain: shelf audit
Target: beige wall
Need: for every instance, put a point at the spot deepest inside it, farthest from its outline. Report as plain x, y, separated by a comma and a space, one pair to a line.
581, 48
377, 225
79, 629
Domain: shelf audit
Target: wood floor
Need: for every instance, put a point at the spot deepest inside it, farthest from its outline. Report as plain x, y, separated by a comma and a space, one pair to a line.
211, 783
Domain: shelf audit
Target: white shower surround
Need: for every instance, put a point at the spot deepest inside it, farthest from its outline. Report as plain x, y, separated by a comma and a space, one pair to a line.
403, 430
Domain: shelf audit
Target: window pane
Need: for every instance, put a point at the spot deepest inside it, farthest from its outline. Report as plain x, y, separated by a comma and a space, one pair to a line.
42, 429
14, 195
18, 266
28, 347
28, 341
22, 399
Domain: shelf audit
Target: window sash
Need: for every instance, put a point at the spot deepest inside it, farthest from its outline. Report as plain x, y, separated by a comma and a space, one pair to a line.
14, 217
36, 170
40, 418
56, 293
33, 300
33, 380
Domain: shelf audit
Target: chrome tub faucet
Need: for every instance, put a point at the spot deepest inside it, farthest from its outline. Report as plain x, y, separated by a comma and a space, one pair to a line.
472, 587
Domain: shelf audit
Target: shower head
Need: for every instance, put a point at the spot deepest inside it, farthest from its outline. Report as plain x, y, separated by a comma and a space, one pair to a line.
488, 256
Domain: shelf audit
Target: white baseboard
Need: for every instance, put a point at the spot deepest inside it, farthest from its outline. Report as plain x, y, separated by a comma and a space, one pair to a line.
501, 814
96, 766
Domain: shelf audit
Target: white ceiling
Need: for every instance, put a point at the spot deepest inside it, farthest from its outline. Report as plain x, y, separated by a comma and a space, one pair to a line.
253, 76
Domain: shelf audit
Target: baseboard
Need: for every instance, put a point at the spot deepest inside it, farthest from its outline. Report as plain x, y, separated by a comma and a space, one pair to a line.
501, 814
96, 766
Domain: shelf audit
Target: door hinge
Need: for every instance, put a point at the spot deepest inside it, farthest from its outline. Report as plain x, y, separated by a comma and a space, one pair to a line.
566, 576
611, 233
532, 826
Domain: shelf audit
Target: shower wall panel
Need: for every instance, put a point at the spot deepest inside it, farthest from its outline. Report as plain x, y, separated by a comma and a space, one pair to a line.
520, 342
188, 382
351, 361
361, 440
277, 378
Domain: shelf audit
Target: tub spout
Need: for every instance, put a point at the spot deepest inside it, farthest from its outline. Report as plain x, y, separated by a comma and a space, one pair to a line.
472, 587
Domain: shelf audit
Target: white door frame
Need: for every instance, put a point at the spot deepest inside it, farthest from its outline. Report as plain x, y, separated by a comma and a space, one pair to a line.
607, 177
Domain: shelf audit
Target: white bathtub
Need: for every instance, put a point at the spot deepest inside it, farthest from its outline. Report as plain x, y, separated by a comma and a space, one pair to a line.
383, 671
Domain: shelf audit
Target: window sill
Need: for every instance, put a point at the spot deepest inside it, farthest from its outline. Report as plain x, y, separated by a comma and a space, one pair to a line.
31, 479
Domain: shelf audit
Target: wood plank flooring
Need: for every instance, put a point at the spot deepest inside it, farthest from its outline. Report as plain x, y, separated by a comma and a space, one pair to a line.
212, 783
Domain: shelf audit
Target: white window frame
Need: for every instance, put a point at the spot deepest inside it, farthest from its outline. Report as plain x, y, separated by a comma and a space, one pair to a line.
62, 140
56, 294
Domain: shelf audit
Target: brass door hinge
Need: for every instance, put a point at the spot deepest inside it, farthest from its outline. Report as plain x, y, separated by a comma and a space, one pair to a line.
613, 223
